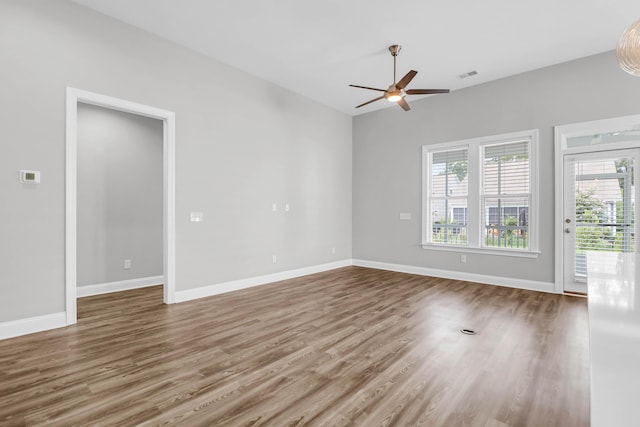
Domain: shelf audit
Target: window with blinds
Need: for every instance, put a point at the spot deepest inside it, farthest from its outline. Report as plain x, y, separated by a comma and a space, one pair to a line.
448, 201
480, 194
506, 195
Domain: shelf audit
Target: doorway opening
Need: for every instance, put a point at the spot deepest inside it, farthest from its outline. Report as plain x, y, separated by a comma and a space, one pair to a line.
75, 96
595, 195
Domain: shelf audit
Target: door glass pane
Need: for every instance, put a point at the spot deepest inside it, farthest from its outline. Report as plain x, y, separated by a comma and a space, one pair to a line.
604, 206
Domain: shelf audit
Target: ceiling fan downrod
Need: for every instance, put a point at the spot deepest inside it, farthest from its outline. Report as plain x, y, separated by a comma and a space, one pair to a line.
394, 49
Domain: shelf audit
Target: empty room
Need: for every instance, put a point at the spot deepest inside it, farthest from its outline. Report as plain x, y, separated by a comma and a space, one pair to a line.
286, 213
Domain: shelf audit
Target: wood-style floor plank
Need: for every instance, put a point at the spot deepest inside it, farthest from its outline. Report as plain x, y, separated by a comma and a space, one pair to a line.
349, 347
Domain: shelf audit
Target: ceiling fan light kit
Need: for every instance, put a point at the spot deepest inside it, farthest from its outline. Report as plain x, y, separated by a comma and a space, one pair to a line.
628, 50
394, 95
396, 91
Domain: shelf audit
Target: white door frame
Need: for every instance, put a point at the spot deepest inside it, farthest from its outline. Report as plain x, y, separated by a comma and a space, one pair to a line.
169, 235
562, 133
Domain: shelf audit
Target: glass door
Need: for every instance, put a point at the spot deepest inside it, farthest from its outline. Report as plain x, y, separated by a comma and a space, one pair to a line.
599, 210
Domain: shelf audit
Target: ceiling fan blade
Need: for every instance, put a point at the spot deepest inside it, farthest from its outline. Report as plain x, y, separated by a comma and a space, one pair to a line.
406, 79
370, 88
369, 102
426, 91
404, 105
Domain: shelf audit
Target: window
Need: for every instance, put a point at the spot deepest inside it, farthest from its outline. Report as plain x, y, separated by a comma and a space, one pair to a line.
480, 195
505, 194
448, 196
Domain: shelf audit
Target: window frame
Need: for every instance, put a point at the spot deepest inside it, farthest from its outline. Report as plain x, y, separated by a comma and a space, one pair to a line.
475, 149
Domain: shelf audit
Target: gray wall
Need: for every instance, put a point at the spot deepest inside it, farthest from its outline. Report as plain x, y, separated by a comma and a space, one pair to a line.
241, 145
387, 156
119, 195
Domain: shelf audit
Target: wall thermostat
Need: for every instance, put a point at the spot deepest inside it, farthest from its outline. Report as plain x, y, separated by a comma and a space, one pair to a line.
30, 177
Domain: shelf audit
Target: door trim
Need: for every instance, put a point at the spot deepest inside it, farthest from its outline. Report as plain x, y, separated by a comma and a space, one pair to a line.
74, 96
561, 134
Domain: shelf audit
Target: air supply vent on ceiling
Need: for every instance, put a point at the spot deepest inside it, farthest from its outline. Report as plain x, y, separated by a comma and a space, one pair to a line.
468, 74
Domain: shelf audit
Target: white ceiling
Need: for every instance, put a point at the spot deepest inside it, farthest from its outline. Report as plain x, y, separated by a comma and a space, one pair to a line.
317, 48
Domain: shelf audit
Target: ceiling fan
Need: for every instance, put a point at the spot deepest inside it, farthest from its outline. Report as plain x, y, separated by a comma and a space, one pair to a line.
396, 91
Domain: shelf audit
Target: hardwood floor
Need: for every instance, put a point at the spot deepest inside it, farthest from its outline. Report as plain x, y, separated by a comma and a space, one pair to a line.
352, 346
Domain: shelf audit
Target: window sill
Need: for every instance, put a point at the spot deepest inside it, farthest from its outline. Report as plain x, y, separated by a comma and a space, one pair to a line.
483, 251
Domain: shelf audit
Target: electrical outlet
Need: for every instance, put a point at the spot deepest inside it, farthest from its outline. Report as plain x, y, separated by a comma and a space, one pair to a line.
274, 259
127, 264
333, 250
463, 259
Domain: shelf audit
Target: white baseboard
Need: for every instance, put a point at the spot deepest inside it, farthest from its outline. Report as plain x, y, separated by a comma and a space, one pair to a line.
122, 285
532, 285
31, 325
235, 285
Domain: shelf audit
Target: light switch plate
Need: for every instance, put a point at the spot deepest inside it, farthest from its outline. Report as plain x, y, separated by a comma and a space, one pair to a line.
196, 217
405, 215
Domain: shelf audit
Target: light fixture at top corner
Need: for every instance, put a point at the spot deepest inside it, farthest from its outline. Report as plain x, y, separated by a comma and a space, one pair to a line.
628, 50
